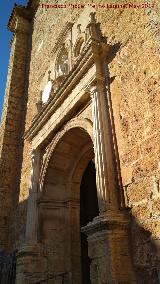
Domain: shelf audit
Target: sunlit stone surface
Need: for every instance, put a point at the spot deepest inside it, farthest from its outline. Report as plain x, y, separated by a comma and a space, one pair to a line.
46, 92
78, 91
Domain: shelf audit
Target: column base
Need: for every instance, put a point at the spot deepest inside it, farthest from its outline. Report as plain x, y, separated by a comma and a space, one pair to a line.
108, 248
31, 265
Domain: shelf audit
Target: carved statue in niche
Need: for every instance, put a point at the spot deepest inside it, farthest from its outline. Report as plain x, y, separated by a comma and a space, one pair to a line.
62, 64
79, 44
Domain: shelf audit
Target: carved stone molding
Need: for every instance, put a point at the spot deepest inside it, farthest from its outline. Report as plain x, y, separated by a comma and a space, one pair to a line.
76, 122
94, 48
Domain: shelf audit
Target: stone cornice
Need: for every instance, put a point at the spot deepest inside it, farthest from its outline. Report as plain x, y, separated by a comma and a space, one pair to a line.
23, 12
18, 11
95, 50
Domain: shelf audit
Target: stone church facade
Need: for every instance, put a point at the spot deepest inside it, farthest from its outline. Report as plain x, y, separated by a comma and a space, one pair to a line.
79, 144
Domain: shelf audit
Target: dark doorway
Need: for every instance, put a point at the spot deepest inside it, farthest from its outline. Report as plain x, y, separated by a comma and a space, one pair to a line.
88, 210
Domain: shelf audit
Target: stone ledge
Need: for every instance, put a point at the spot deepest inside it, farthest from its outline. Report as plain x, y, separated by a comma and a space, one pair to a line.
29, 250
108, 221
18, 11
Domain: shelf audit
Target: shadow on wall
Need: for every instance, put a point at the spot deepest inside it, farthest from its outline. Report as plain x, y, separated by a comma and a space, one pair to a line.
145, 250
145, 253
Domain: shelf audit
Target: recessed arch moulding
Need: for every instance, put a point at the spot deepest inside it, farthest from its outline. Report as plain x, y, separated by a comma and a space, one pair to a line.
59, 200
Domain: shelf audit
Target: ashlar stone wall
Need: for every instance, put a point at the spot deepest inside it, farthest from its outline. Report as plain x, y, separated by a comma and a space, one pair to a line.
134, 86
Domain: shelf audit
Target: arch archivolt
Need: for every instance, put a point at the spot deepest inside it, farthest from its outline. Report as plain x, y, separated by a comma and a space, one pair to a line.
81, 123
87, 153
59, 228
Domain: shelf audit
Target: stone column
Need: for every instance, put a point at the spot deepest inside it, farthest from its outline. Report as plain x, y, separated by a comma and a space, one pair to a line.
30, 262
108, 233
31, 226
107, 187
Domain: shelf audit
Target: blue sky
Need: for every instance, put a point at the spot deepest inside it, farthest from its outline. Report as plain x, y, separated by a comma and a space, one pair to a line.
5, 37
